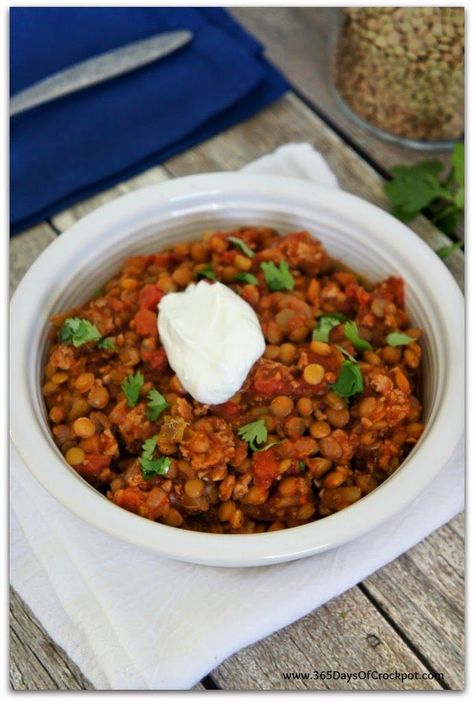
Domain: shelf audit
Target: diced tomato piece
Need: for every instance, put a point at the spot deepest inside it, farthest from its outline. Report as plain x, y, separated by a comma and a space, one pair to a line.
129, 498
148, 297
145, 323
397, 288
158, 359
93, 464
265, 468
358, 293
227, 409
272, 379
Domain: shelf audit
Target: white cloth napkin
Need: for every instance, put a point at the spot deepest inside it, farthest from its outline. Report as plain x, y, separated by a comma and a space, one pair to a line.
131, 620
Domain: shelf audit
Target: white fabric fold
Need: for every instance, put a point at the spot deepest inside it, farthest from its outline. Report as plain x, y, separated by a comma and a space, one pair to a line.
131, 620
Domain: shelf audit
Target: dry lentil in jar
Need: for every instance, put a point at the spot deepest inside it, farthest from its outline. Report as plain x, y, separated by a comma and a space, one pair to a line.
325, 415
401, 69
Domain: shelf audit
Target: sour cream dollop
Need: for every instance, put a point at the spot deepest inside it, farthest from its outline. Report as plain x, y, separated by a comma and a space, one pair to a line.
212, 339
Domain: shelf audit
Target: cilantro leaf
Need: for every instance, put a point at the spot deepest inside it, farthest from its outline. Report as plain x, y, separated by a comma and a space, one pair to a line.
352, 333
97, 292
349, 381
77, 331
131, 387
246, 278
156, 405
399, 339
277, 277
242, 246
207, 272
106, 343
254, 432
445, 251
325, 324
414, 187
151, 467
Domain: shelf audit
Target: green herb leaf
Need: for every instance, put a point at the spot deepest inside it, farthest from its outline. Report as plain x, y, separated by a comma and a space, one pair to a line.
349, 381
156, 405
277, 277
77, 331
302, 466
106, 343
207, 272
242, 246
325, 324
399, 339
98, 292
352, 333
255, 432
246, 278
457, 162
131, 387
445, 251
150, 466
414, 187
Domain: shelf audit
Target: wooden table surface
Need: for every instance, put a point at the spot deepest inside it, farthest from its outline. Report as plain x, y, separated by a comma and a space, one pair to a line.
407, 617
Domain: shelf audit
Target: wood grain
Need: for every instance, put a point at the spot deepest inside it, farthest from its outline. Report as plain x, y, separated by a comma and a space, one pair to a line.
346, 635
383, 623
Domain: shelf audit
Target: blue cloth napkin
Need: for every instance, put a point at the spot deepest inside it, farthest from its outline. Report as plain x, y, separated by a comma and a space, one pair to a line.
73, 147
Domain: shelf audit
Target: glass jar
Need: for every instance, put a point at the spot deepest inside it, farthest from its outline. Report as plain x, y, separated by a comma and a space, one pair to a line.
400, 72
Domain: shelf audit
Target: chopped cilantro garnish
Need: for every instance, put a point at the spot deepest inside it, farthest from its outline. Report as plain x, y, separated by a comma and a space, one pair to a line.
131, 387
325, 324
242, 246
98, 292
255, 432
246, 278
156, 405
207, 272
349, 381
352, 333
399, 339
77, 331
107, 343
277, 277
150, 466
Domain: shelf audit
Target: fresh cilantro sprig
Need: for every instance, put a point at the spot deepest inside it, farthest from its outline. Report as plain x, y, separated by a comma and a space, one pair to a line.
277, 277
399, 339
150, 466
156, 405
325, 324
245, 248
106, 343
131, 387
207, 272
415, 187
77, 331
351, 331
256, 433
349, 381
248, 278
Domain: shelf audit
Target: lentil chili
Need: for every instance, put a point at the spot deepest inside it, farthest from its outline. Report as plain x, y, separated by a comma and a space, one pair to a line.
324, 417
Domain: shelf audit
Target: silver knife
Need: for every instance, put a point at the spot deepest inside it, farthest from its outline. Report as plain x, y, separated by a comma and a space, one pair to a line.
99, 69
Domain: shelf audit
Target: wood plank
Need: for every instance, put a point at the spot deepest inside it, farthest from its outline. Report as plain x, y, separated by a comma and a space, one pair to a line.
25, 248
422, 593
289, 120
345, 635
36, 662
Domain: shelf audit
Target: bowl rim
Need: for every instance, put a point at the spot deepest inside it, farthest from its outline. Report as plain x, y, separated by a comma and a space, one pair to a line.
231, 549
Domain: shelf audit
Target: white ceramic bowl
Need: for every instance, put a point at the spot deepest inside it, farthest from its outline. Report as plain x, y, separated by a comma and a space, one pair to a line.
366, 238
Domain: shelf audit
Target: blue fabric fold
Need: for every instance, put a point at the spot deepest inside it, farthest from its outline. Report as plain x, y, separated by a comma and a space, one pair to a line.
76, 146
